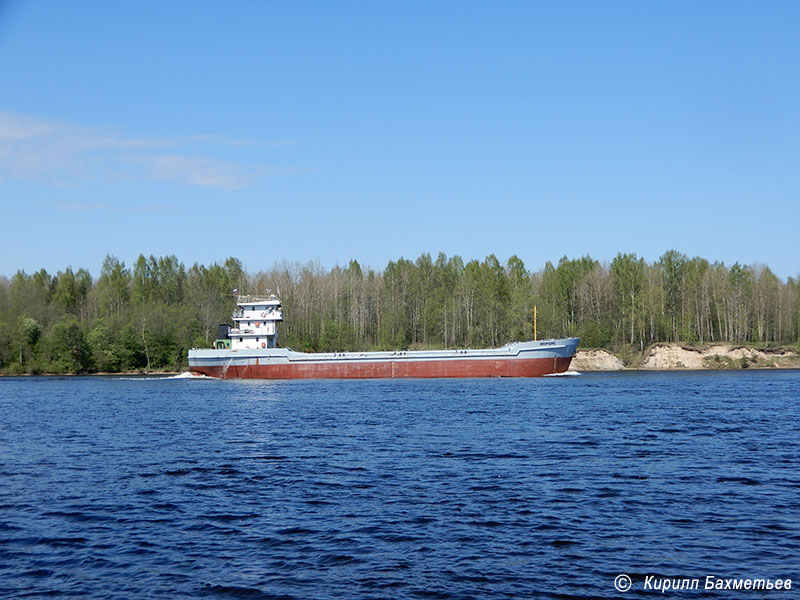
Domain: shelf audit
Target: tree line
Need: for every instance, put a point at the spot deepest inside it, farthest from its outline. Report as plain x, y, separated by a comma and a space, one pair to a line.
147, 316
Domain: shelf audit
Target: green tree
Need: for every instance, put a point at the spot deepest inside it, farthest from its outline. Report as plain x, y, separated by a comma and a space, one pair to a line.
170, 279
66, 349
70, 290
28, 334
394, 329
628, 275
113, 286
672, 265
740, 283
144, 279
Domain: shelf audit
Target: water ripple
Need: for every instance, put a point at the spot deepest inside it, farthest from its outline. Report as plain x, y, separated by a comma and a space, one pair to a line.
543, 488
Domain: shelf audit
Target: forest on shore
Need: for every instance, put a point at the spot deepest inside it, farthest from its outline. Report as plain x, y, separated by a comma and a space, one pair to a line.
147, 316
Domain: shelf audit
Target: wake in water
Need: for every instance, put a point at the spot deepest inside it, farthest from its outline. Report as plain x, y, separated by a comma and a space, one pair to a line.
189, 375
564, 374
184, 375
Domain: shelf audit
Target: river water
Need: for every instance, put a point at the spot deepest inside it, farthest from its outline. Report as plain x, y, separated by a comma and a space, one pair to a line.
114, 487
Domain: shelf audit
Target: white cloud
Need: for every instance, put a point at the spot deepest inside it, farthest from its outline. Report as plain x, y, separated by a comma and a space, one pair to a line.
196, 170
33, 148
20, 127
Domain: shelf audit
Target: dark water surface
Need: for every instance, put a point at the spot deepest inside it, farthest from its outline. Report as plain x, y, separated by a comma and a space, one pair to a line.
540, 488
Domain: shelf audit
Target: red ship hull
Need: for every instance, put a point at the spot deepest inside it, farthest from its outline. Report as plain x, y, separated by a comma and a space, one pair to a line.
528, 367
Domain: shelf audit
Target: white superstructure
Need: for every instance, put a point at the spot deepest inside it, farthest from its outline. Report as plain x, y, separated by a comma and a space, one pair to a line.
256, 322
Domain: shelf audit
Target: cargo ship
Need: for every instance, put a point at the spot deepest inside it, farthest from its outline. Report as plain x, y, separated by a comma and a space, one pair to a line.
249, 350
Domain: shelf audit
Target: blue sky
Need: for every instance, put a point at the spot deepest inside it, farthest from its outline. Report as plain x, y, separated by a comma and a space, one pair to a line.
373, 130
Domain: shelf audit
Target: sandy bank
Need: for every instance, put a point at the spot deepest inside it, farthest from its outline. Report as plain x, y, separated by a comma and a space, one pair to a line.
596, 360
718, 356
678, 356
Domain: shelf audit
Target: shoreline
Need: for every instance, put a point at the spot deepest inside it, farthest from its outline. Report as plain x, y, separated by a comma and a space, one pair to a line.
571, 370
672, 356
98, 373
